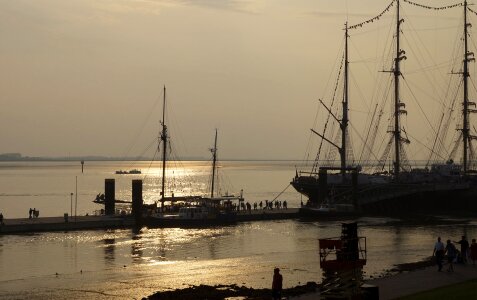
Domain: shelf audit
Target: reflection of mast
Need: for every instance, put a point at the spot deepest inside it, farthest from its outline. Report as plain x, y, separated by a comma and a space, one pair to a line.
163, 138
214, 160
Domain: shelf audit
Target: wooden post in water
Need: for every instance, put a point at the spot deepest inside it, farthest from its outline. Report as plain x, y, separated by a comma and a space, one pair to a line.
354, 181
322, 185
137, 200
109, 196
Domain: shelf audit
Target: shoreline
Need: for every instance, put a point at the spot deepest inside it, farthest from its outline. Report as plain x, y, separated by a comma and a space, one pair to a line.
310, 289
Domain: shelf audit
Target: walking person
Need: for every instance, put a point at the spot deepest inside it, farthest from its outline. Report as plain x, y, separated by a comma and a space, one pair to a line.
464, 247
439, 249
29, 213
1, 219
451, 252
473, 251
277, 284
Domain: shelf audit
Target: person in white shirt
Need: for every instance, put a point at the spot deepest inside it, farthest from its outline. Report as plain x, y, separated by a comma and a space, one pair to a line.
438, 252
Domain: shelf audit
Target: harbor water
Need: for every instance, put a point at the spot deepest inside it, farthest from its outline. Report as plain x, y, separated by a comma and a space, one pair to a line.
128, 264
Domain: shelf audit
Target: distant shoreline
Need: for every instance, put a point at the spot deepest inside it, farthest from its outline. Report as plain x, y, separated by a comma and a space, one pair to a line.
16, 157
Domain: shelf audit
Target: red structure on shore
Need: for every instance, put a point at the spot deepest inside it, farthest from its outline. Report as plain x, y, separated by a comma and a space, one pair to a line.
342, 260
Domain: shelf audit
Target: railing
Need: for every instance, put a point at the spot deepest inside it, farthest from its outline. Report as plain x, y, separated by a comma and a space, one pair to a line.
339, 253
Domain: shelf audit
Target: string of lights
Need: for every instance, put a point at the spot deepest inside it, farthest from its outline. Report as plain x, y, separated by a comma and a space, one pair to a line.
431, 7
375, 18
472, 11
411, 3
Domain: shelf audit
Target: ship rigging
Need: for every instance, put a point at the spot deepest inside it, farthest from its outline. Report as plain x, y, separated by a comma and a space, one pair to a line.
374, 184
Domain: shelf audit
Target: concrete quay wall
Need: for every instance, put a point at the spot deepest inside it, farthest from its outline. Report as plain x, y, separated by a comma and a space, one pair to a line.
45, 224
12, 226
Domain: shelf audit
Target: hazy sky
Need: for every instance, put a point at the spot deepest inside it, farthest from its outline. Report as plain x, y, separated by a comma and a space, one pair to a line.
84, 77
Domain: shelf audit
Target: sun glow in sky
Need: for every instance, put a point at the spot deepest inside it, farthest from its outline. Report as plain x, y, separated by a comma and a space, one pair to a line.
83, 77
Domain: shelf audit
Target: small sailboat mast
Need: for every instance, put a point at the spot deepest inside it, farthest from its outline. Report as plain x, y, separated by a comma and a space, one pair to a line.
214, 161
163, 139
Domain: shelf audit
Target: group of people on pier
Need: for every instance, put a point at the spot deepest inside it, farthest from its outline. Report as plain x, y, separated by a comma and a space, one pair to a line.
261, 205
33, 213
467, 253
271, 204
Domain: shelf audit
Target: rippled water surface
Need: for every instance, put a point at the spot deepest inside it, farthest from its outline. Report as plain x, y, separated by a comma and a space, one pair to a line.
47, 186
126, 264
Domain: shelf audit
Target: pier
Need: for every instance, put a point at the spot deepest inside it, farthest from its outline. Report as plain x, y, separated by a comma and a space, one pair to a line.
138, 217
46, 224
25, 225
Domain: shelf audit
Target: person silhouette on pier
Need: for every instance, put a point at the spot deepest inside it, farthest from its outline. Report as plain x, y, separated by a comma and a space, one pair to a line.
277, 284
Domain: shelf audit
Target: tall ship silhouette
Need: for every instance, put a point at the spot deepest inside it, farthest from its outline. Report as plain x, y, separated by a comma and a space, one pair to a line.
384, 176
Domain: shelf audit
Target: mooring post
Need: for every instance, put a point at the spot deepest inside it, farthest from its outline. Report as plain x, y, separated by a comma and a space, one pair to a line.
354, 181
322, 185
109, 196
137, 200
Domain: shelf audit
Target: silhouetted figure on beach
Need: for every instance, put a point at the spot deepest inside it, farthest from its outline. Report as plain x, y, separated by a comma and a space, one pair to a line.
439, 250
1, 219
285, 204
473, 251
451, 252
260, 204
277, 284
30, 213
464, 247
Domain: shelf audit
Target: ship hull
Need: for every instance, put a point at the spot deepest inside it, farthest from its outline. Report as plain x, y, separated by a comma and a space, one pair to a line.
392, 199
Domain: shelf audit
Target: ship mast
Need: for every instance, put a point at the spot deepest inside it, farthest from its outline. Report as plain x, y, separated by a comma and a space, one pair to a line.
214, 160
163, 138
397, 103
345, 120
468, 56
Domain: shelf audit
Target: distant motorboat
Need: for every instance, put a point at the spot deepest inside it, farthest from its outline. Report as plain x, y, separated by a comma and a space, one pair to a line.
133, 171
100, 199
